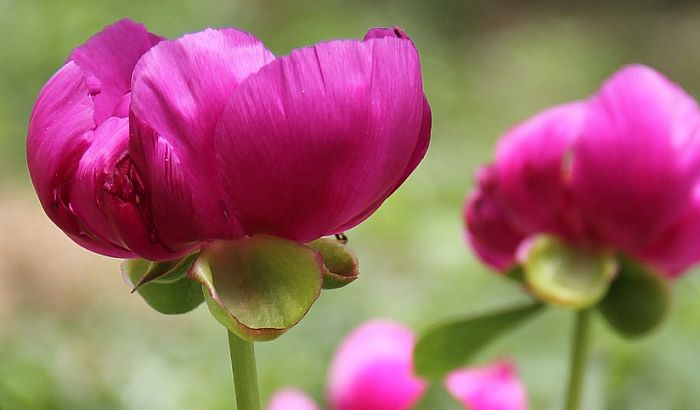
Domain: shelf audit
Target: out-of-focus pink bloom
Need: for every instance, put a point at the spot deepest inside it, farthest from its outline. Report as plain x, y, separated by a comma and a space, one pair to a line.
616, 171
77, 147
222, 138
290, 399
492, 387
373, 370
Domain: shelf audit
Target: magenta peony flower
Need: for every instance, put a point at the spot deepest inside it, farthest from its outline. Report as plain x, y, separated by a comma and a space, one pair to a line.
619, 171
223, 139
373, 370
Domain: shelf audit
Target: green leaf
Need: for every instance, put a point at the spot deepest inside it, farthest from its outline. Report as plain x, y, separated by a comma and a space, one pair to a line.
259, 287
171, 292
568, 276
638, 300
340, 262
451, 345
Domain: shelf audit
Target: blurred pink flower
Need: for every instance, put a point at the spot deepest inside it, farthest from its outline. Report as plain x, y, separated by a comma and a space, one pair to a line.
142, 147
290, 399
619, 171
373, 370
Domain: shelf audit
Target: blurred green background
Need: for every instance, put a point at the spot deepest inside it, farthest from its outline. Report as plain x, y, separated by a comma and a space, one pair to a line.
73, 337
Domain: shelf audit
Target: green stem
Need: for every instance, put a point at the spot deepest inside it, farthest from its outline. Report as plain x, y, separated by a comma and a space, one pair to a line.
245, 374
579, 355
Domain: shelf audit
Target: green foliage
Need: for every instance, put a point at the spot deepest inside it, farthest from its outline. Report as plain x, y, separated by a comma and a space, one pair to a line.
451, 345
638, 300
164, 286
340, 261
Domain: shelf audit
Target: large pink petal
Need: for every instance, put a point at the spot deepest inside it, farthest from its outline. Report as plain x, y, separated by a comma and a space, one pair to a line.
180, 88
489, 230
60, 130
108, 59
290, 399
314, 139
417, 156
637, 158
678, 248
493, 387
372, 370
531, 171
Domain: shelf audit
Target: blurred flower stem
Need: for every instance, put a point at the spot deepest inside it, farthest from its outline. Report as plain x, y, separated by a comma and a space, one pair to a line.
579, 356
245, 374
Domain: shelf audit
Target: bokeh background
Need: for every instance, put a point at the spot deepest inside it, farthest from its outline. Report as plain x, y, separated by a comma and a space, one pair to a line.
73, 337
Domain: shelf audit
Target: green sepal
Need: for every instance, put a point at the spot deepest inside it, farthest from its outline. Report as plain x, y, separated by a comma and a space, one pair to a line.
638, 300
259, 287
340, 262
169, 292
567, 276
451, 345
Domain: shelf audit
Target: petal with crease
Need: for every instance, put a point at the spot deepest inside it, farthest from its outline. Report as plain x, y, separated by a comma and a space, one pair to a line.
60, 131
179, 90
314, 139
372, 370
108, 59
635, 163
531, 171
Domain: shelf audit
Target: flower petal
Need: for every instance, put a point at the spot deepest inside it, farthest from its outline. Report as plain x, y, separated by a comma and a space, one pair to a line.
60, 130
418, 154
180, 88
108, 199
677, 249
372, 370
493, 387
320, 136
290, 399
489, 230
108, 59
636, 161
530, 169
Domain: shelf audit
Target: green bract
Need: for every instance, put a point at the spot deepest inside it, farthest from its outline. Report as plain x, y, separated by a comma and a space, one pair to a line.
638, 300
567, 276
340, 262
261, 286
164, 286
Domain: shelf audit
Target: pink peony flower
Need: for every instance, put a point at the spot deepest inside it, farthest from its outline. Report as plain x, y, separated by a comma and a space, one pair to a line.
618, 171
373, 370
222, 138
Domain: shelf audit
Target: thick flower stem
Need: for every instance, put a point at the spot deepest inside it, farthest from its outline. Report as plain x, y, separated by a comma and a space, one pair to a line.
579, 355
245, 374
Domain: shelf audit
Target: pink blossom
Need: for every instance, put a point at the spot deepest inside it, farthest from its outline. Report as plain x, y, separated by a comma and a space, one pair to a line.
142, 147
373, 370
290, 399
491, 387
618, 170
